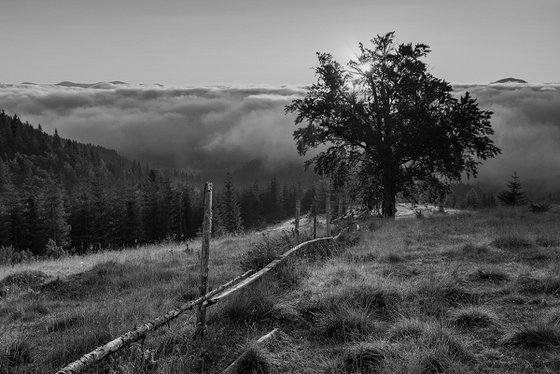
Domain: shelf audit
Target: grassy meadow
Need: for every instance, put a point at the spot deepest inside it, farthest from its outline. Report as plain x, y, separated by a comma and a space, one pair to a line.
469, 293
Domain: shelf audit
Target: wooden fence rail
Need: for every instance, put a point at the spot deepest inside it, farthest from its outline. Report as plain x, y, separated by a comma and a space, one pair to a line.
140, 332
209, 299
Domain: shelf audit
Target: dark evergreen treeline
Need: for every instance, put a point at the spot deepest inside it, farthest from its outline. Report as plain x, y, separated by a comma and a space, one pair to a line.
84, 197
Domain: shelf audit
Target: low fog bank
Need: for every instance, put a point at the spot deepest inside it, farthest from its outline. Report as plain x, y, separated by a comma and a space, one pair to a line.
526, 122
200, 128
213, 129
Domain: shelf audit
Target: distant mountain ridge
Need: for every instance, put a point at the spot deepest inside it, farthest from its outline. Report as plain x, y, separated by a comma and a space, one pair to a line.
90, 85
509, 80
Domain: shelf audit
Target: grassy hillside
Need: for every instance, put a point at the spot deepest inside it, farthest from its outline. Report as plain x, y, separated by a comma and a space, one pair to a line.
470, 293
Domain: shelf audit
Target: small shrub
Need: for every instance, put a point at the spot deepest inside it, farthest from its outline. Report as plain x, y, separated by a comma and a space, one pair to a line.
511, 242
474, 317
53, 250
6, 254
10, 255
539, 335
362, 358
539, 208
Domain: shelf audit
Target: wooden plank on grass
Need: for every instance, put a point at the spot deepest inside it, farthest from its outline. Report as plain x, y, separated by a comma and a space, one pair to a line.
268, 268
140, 332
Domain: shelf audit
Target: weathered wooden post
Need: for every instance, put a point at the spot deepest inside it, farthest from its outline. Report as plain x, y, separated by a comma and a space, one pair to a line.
340, 204
297, 220
204, 256
314, 225
328, 209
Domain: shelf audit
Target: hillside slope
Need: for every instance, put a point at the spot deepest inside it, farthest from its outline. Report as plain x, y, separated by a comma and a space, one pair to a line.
457, 294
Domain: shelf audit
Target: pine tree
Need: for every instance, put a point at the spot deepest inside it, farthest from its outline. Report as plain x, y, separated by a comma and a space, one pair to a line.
55, 217
513, 195
229, 208
251, 208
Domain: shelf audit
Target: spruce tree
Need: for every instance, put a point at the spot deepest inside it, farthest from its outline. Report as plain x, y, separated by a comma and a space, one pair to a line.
230, 213
55, 217
513, 196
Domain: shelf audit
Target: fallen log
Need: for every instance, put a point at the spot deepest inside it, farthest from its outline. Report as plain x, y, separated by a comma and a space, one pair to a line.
140, 332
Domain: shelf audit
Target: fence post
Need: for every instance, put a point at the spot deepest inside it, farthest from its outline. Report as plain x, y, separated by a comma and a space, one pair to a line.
328, 209
314, 225
340, 204
204, 256
297, 220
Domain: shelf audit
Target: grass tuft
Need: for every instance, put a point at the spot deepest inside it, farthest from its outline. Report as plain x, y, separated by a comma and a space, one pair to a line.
552, 317
549, 284
406, 329
547, 242
342, 324
362, 358
489, 275
393, 258
253, 361
376, 300
77, 344
511, 242
64, 322
536, 336
436, 294
27, 279
444, 341
472, 250
250, 306
432, 363
473, 317
17, 353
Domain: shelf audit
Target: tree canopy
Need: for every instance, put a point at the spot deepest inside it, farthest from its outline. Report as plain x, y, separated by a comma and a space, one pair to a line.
387, 125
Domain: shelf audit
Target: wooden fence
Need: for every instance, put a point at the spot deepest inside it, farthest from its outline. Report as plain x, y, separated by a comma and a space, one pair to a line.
206, 298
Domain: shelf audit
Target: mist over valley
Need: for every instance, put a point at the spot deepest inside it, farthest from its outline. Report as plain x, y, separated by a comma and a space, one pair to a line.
243, 130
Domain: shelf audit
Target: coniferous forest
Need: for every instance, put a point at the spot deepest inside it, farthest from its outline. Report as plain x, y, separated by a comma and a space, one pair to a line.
82, 197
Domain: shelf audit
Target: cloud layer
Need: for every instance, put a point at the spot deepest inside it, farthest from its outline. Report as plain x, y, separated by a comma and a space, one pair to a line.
526, 122
195, 128
216, 128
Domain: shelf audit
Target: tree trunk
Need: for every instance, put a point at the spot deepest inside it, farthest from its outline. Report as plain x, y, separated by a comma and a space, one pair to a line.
388, 209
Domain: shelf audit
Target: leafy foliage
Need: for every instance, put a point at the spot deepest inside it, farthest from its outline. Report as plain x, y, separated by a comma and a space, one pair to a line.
389, 126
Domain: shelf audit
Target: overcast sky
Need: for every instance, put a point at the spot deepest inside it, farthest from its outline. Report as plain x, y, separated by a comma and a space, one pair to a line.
224, 42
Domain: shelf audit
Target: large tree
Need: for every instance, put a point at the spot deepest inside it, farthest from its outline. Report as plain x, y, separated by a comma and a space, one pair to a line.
388, 124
